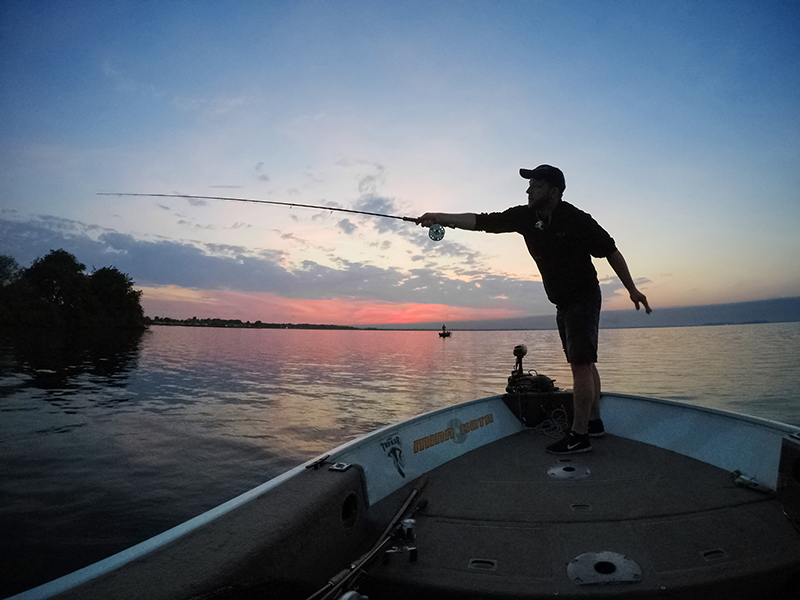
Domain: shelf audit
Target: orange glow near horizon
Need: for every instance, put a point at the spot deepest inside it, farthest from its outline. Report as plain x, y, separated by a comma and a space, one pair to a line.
182, 303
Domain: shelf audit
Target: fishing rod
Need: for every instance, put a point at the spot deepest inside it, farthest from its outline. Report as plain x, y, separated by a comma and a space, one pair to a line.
436, 232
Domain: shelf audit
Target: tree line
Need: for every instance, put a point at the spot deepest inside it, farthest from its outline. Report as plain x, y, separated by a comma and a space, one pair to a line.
57, 292
238, 323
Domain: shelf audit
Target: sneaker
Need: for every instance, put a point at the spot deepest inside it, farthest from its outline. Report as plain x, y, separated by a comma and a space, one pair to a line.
573, 443
596, 428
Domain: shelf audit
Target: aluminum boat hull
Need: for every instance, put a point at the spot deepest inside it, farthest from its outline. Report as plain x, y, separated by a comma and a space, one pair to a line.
654, 510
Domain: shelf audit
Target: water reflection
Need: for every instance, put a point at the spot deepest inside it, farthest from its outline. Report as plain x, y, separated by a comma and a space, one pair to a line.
140, 434
750, 369
306, 391
60, 361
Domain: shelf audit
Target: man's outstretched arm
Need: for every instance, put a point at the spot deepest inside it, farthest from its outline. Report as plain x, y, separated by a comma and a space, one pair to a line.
617, 262
458, 221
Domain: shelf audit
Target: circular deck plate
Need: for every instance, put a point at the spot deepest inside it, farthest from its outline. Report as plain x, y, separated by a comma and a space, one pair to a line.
568, 470
597, 568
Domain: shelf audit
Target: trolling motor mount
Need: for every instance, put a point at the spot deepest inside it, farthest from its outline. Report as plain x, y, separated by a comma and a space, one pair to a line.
521, 382
520, 350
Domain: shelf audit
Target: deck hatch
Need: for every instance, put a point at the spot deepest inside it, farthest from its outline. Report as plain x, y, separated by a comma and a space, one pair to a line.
598, 568
567, 469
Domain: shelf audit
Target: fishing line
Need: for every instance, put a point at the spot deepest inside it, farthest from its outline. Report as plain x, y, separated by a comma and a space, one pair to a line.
436, 232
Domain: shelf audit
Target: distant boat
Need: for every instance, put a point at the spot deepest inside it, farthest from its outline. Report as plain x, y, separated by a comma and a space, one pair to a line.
444, 334
674, 501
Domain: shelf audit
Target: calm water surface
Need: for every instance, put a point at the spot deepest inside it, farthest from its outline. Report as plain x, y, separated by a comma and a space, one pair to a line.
104, 444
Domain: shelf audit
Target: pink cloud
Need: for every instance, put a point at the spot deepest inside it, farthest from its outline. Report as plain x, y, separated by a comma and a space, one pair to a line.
183, 303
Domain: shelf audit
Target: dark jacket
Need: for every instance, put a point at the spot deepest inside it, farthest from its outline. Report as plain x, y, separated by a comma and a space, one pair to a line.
561, 248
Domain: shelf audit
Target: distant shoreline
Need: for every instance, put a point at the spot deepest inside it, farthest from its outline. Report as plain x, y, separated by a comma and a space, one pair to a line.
238, 324
778, 310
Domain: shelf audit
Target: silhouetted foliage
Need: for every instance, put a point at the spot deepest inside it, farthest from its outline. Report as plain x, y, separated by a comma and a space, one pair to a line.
9, 270
9, 274
119, 303
55, 291
239, 324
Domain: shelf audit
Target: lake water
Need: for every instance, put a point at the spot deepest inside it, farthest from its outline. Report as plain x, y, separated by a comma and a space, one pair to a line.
104, 443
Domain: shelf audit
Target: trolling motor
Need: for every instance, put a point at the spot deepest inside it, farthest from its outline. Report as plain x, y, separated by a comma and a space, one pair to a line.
521, 382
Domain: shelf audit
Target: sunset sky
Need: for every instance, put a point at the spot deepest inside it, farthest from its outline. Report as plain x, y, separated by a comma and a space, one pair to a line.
675, 122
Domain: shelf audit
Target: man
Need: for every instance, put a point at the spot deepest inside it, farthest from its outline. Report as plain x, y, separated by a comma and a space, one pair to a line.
562, 240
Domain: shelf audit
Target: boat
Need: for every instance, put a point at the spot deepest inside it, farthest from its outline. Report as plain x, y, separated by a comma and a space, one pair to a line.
674, 501
444, 334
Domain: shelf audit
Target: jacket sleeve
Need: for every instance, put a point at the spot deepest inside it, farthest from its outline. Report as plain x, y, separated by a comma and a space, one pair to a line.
600, 243
510, 220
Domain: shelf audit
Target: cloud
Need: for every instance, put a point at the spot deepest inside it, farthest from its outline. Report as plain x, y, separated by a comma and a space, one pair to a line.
369, 184
184, 303
227, 249
417, 236
217, 105
192, 265
347, 226
380, 205
125, 83
261, 175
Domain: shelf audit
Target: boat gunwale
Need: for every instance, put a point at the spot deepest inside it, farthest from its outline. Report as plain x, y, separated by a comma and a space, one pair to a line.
722, 412
145, 547
714, 445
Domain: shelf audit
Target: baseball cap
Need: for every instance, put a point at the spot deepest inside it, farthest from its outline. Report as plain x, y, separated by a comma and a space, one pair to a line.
550, 174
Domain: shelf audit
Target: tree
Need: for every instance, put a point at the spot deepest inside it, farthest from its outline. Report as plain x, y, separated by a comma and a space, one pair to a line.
118, 302
55, 291
9, 274
9, 270
58, 289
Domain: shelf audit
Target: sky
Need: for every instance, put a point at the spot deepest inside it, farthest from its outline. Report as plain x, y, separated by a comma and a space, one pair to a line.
675, 122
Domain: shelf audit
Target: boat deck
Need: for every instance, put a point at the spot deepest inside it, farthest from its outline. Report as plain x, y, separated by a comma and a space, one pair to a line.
628, 519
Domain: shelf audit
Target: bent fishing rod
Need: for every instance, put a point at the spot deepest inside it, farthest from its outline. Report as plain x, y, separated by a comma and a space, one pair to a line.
436, 232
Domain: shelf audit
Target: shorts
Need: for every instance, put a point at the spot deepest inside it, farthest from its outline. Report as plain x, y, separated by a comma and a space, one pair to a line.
578, 324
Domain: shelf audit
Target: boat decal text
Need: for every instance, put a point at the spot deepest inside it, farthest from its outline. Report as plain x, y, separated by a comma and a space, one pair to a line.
457, 432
